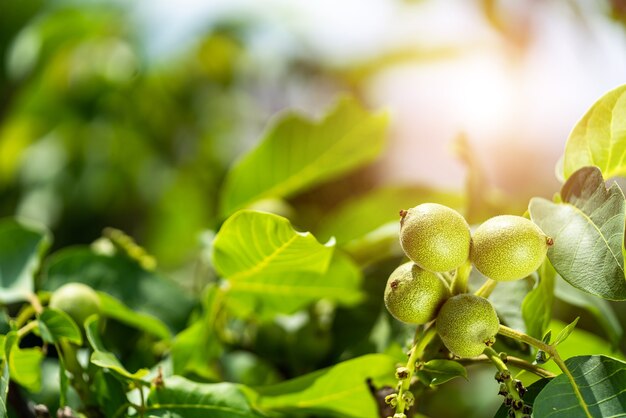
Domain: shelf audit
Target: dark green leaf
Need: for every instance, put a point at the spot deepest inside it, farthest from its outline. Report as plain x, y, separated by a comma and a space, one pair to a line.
601, 381
537, 305
565, 332
599, 308
123, 279
55, 324
340, 389
297, 153
182, 398
588, 233
599, 138
21, 249
101, 357
63, 380
109, 392
113, 308
437, 372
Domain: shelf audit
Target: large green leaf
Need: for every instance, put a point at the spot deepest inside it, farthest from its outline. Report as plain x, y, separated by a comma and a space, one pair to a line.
588, 233
537, 305
599, 138
339, 391
103, 358
272, 268
599, 308
25, 367
55, 324
601, 381
22, 246
364, 214
123, 279
297, 153
182, 398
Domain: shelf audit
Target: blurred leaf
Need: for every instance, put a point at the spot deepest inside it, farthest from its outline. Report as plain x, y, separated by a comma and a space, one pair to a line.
565, 332
109, 392
63, 380
272, 268
364, 214
588, 233
6, 345
438, 372
123, 279
297, 153
380, 244
113, 308
529, 397
340, 390
55, 324
101, 357
601, 381
579, 343
21, 249
182, 398
25, 367
599, 308
196, 348
599, 138
537, 305
507, 298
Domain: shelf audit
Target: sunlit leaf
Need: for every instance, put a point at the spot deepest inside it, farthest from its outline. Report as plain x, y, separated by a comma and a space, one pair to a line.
297, 153
537, 305
340, 389
25, 367
55, 324
182, 398
565, 332
601, 381
599, 138
588, 233
21, 249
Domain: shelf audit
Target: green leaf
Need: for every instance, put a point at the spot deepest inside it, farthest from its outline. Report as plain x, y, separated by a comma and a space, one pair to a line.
113, 308
599, 308
537, 305
63, 380
196, 348
298, 153
599, 138
364, 214
110, 393
55, 324
22, 247
272, 268
123, 279
4, 387
565, 332
507, 298
601, 381
101, 357
25, 367
340, 389
182, 398
588, 233
437, 372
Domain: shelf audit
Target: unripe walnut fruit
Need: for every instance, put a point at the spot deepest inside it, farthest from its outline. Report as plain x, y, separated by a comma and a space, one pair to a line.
467, 324
435, 237
508, 247
414, 295
77, 300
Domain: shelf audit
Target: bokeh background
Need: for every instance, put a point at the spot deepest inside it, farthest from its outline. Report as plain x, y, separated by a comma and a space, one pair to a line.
128, 114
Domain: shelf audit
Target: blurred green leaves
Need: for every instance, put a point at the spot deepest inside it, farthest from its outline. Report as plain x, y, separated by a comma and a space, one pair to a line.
298, 153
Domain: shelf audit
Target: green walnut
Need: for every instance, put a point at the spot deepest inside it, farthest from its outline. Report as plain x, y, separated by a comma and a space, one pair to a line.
77, 300
508, 247
435, 237
414, 295
467, 324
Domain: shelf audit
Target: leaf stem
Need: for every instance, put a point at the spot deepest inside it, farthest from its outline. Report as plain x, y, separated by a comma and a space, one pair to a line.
507, 380
515, 361
486, 289
415, 355
26, 329
551, 350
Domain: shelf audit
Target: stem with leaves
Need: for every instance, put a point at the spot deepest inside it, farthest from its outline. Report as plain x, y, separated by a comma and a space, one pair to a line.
553, 353
510, 388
